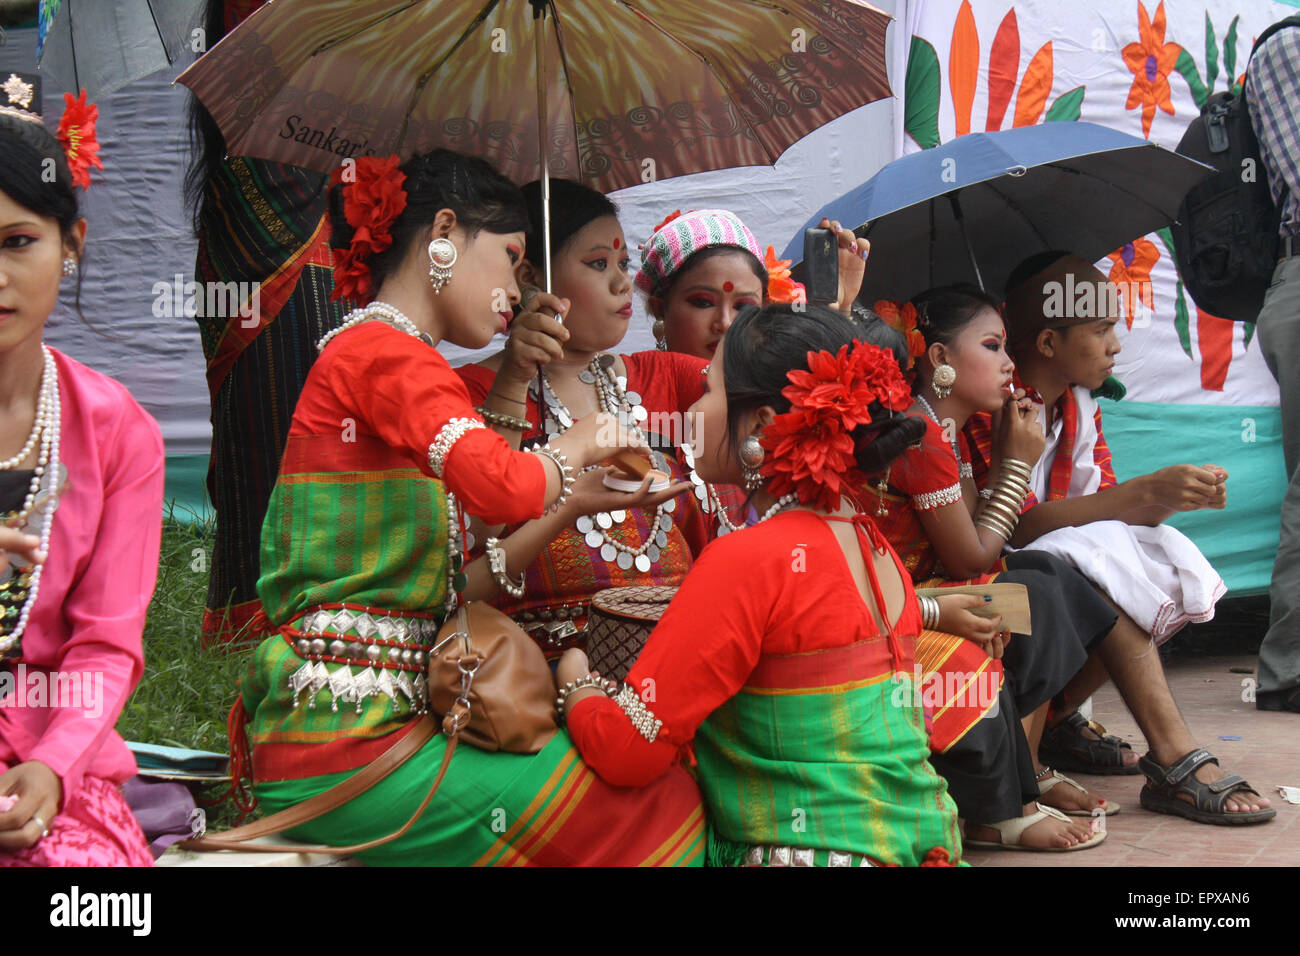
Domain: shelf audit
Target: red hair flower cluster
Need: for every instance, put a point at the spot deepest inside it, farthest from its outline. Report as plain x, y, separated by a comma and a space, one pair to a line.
371, 204
780, 287
903, 318
810, 449
675, 214
77, 136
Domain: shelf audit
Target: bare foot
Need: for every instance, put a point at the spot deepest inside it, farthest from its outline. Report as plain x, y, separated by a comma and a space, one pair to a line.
1046, 834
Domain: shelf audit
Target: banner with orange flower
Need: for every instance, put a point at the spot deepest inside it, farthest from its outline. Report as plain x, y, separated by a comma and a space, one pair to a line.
1198, 387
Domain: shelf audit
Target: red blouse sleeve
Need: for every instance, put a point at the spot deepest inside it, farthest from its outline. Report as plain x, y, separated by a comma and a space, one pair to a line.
687, 670
928, 475
410, 398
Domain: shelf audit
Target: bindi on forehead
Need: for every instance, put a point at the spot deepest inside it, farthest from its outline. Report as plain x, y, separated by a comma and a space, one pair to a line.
728, 287
617, 243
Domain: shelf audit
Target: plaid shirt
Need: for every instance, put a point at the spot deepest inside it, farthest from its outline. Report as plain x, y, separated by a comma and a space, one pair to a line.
1272, 85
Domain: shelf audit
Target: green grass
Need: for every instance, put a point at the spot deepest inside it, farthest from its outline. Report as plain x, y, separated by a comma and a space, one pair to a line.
186, 692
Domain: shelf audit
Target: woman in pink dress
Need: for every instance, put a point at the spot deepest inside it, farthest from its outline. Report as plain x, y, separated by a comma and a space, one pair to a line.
81, 472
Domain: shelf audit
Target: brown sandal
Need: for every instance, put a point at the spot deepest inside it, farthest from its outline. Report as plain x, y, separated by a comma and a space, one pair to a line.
1067, 747
1160, 795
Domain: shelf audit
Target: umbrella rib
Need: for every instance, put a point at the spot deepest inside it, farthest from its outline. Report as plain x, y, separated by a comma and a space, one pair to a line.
364, 27
158, 30
1015, 206
423, 79
72, 43
1116, 186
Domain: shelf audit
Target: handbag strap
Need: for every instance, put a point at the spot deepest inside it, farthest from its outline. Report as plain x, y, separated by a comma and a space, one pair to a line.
333, 798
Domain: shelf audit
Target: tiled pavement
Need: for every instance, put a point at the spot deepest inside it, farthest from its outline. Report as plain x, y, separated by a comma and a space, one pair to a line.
1268, 754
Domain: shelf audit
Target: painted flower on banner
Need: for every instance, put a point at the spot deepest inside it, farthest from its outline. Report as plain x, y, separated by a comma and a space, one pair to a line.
1151, 60
1131, 273
924, 82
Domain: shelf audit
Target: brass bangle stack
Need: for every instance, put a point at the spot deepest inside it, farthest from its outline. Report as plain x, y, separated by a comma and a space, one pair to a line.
502, 419
1001, 511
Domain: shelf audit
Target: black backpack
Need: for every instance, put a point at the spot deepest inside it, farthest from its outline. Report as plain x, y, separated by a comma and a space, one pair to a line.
1226, 239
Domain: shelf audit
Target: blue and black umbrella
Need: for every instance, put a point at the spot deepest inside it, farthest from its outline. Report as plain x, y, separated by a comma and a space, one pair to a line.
100, 45
972, 209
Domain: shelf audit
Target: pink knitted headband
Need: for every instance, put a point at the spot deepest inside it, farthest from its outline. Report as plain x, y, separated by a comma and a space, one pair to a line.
680, 236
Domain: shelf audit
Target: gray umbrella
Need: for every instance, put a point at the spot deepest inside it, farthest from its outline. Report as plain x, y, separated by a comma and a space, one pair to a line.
100, 45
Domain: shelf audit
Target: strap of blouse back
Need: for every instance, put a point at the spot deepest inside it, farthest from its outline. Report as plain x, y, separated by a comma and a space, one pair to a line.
871, 540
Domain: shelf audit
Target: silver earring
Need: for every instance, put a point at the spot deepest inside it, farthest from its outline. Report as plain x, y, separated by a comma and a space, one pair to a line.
442, 256
751, 457
69, 266
944, 376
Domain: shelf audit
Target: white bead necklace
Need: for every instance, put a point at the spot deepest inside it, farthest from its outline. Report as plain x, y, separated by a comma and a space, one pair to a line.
613, 397
785, 501
376, 311
47, 427
964, 468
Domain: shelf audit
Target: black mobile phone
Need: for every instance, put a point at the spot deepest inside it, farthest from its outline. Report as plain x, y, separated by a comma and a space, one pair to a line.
822, 266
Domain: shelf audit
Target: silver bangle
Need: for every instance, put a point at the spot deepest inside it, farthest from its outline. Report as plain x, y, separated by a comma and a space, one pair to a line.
929, 611
446, 439
496, 556
566, 475
606, 687
643, 720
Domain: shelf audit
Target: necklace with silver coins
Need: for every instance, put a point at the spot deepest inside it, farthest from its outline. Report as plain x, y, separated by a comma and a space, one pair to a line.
613, 397
707, 495
376, 311
964, 468
44, 436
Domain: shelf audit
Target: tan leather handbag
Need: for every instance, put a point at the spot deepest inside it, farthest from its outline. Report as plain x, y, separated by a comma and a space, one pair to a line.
485, 670
619, 622
491, 684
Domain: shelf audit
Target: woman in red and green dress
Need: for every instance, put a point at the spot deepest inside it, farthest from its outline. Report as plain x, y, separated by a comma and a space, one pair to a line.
796, 700
362, 545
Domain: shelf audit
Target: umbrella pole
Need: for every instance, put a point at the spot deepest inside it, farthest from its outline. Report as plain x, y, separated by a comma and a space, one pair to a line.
961, 224
539, 42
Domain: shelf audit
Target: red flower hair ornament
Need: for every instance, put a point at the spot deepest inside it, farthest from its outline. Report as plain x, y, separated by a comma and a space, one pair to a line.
903, 318
810, 448
373, 198
780, 287
76, 135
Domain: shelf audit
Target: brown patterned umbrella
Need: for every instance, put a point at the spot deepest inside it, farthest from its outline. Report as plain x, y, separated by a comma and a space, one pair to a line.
635, 90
